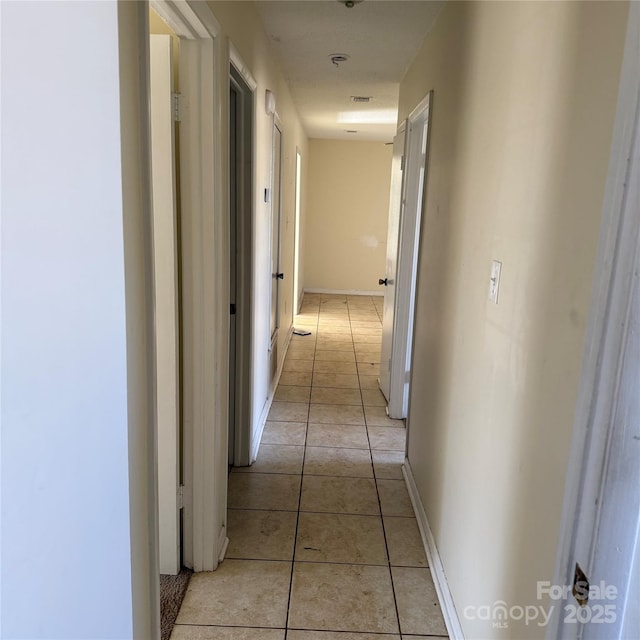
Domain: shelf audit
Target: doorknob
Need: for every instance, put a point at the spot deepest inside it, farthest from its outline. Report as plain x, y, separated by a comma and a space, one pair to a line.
383, 282
280, 276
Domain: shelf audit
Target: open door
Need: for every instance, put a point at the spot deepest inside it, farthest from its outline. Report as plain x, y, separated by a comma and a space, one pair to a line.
165, 301
389, 280
276, 274
297, 294
413, 190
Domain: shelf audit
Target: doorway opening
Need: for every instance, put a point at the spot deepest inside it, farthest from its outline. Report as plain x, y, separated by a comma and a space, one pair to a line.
240, 266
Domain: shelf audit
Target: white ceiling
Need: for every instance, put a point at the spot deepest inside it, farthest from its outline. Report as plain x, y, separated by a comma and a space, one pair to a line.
380, 36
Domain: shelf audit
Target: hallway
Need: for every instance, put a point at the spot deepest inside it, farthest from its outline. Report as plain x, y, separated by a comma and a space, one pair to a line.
323, 537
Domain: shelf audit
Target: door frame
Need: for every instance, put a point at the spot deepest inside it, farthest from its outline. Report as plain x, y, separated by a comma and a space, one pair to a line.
606, 335
244, 269
205, 290
166, 287
409, 239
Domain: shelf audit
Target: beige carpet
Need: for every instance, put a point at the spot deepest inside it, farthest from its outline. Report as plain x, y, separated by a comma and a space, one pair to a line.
172, 590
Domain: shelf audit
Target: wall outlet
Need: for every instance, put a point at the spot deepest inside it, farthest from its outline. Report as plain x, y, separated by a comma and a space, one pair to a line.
494, 281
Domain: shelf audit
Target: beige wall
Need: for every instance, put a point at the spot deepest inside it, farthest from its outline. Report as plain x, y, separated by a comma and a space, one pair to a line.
241, 24
347, 212
524, 99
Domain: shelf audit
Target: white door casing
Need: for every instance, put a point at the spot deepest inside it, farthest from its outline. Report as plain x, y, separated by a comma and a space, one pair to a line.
601, 518
393, 234
204, 77
615, 549
414, 183
165, 300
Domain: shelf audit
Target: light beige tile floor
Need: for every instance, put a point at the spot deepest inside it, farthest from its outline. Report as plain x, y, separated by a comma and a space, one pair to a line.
324, 544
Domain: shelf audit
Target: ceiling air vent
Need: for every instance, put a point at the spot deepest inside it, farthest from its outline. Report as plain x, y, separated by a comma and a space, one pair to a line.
337, 58
361, 98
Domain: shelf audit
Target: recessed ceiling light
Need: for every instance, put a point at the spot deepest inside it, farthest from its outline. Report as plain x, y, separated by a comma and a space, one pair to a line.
361, 98
375, 116
349, 3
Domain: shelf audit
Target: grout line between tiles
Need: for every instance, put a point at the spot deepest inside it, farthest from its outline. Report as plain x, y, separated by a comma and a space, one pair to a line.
325, 513
295, 532
227, 626
235, 626
380, 634
384, 531
316, 475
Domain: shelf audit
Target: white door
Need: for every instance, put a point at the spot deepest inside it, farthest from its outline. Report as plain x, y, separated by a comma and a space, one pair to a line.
417, 133
276, 210
297, 294
389, 280
165, 303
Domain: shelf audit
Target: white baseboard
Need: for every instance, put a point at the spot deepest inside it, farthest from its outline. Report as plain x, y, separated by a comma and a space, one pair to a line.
255, 445
300, 300
345, 292
435, 564
223, 544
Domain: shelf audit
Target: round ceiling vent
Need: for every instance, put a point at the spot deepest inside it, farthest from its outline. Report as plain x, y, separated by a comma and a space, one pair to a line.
349, 3
338, 58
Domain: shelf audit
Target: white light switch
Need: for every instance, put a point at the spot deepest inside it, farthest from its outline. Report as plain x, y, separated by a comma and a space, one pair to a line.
494, 282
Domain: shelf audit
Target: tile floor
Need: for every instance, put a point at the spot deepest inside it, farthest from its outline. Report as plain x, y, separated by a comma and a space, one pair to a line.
323, 540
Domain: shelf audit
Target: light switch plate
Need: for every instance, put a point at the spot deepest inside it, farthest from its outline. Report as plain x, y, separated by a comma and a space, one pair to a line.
494, 281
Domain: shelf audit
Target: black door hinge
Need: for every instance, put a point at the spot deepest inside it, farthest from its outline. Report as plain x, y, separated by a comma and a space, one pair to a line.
232, 310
